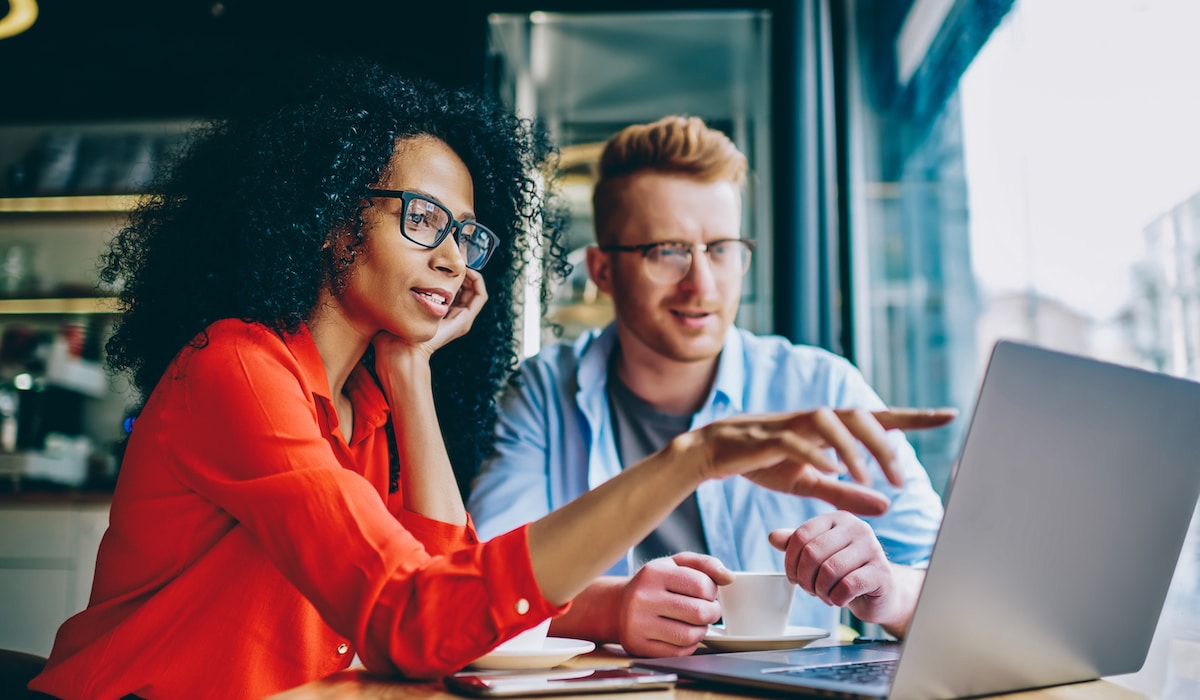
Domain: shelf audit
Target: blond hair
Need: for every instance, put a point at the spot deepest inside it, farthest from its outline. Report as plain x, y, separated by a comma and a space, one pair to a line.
673, 145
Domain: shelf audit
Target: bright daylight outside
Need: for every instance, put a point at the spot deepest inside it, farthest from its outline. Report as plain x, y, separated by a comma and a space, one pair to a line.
1083, 176
1082, 156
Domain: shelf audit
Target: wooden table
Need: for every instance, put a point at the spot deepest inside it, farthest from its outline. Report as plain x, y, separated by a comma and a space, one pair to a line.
356, 684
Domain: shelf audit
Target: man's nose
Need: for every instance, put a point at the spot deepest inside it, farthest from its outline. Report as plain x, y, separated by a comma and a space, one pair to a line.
700, 274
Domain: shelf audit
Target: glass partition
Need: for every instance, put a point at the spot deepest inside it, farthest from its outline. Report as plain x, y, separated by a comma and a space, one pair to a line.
587, 75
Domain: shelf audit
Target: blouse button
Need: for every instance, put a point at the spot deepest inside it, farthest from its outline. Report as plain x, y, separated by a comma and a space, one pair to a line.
343, 648
522, 606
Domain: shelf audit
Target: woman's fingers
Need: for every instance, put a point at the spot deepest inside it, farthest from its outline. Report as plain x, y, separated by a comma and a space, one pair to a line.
847, 431
478, 290
832, 429
787, 449
471, 295
463, 310
850, 497
870, 429
914, 418
804, 480
873, 436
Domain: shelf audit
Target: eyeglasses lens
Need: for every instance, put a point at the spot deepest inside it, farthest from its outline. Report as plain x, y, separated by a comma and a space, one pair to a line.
475, 244
425, 222
670, 263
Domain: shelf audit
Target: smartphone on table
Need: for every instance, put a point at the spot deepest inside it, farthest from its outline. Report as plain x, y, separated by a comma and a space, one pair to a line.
500, 684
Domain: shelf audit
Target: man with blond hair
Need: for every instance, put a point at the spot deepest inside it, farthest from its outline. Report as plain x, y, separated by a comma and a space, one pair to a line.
669, 252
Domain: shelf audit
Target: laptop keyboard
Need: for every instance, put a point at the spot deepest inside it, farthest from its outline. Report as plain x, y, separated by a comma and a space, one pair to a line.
867, 672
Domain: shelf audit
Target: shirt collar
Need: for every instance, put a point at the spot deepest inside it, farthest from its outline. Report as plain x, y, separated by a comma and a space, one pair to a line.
370, 405
304, 349
595, 347
730, 384
593, 350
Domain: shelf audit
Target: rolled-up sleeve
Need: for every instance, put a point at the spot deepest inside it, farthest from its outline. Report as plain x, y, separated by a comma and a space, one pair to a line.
414, 595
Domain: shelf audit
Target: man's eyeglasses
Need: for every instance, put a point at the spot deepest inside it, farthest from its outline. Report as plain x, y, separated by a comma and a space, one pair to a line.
427, 222
668, 262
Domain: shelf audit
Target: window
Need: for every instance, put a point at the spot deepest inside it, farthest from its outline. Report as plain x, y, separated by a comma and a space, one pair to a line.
1025, 170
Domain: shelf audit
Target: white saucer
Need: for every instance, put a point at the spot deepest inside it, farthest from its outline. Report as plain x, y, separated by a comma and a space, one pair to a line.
792, 638
554, 651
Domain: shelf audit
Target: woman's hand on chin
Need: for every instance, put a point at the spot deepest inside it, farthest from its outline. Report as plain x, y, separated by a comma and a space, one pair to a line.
391, 349
463, 311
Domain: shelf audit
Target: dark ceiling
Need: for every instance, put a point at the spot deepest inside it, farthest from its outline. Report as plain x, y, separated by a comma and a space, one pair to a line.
125, 59
167, 58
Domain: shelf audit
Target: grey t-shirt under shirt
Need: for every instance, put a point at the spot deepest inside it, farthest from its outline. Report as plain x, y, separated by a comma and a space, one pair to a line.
640, 430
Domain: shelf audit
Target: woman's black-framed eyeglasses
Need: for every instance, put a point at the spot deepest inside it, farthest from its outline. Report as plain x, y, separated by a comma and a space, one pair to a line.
427, 222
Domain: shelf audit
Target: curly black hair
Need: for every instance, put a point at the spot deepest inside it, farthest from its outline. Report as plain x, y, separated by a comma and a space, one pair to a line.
237, 226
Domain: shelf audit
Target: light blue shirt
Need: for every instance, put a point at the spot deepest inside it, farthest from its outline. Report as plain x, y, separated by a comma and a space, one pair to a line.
554, 439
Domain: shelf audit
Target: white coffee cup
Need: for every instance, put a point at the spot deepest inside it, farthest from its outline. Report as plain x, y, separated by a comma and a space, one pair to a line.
532, 639
756, 603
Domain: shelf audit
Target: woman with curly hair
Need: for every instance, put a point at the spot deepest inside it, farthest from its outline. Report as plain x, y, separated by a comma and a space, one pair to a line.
304, 310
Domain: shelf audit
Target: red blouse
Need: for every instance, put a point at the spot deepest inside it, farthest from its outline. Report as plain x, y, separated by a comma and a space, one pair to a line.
251, 549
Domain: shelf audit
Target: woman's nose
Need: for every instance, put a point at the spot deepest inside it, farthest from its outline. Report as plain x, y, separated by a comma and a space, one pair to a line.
448, 255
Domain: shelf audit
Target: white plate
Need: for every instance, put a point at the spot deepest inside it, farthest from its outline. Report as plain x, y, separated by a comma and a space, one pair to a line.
554, 651
792, 638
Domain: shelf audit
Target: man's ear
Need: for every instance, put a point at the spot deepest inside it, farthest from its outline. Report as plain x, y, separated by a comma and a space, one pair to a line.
599, 266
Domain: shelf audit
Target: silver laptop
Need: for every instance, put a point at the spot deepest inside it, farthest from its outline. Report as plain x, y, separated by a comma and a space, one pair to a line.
1067, 512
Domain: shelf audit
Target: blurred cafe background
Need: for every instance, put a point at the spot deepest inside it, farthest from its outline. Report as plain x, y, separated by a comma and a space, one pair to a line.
927, 177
